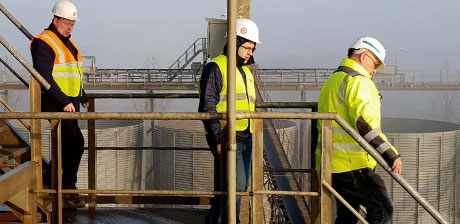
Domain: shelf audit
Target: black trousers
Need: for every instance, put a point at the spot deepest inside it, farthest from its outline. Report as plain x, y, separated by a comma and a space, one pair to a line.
72, 150
362, 187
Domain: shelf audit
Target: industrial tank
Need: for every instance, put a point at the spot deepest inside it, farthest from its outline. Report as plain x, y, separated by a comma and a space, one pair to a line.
430, 155
116, 169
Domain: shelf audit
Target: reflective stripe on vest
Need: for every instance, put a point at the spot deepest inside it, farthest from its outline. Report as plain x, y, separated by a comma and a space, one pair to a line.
67, 71
245, 101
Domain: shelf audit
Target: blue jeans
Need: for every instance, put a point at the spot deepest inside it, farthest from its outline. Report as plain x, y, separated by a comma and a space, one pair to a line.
243, 171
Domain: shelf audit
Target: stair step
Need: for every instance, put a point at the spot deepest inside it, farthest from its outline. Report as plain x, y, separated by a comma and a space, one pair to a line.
7, 153
6, 215
9, 136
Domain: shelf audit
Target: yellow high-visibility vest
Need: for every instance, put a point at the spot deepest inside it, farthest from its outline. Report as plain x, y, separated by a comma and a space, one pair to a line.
67, 71
245, 93
352, 96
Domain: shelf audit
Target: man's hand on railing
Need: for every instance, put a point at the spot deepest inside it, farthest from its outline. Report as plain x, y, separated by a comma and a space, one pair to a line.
69, 108
397, 166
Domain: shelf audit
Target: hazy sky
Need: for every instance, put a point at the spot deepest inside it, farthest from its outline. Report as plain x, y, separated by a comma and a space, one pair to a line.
295, 33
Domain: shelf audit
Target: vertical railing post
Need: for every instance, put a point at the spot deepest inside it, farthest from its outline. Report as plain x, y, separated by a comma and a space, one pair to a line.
92, 156
257, 209
36, 133
326, 168
31, 216
56, 172
315, 183
231, 111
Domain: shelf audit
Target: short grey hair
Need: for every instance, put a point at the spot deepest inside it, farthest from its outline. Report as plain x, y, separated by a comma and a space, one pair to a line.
353, 51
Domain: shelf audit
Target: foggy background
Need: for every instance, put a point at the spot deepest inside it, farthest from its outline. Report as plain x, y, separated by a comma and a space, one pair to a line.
294, 34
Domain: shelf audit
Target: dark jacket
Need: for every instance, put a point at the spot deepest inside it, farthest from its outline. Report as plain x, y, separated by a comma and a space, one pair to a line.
53, 100
211, 83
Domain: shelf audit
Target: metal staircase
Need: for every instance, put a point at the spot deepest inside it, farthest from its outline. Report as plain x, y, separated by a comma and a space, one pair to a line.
199, 46
15, 150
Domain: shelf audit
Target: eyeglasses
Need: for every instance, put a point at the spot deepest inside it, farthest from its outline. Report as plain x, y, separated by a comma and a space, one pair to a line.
376, 62
249, 48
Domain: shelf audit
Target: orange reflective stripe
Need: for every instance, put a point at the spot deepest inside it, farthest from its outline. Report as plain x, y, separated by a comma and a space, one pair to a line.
78, 51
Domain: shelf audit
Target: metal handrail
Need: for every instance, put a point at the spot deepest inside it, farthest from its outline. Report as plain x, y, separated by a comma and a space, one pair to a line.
16, 22
7, 106
254, 115
29, 68
14, 72
18, 57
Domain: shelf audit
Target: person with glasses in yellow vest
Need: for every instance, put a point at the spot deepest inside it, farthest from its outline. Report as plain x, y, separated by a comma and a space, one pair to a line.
56, 57
350, 93
213, 98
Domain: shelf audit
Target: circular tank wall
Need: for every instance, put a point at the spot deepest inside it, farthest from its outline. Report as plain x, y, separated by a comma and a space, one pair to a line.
116, 169
429, 151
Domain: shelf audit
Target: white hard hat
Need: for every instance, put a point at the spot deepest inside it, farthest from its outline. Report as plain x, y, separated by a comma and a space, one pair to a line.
374, 46
247, 29
65, 9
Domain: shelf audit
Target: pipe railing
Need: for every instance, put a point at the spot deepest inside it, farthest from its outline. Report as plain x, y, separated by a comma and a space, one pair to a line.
15, 22
24, 63
14, 73
255, 115
7, 106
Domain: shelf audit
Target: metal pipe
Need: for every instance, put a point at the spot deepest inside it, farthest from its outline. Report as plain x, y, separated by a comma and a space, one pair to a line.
10, 165
14, 72
140, 95
153, 148
129, 192
286, 104
287, 193
114, 116
289, 170
11, 110
344, 202
231, 109
16, 22
400, 179
92, 175
182, 193
163, 116
285, 115
29, 68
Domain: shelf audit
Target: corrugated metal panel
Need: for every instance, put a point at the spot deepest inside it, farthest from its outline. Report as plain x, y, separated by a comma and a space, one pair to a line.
115, 169
429, 161
181, 170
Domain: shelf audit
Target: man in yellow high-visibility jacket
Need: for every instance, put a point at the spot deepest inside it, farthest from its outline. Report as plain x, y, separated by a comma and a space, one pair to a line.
351, 93
56, 57
213, 98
